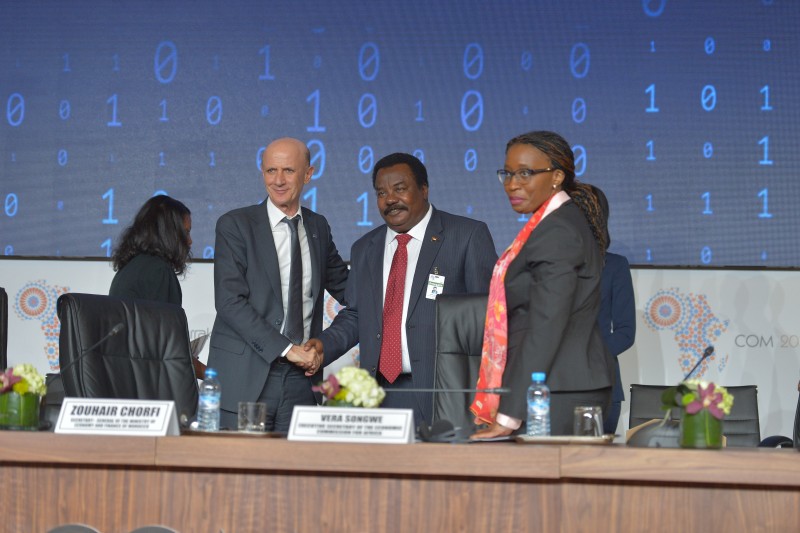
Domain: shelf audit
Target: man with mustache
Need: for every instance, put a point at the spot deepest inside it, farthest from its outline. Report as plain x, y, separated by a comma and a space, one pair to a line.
396, 272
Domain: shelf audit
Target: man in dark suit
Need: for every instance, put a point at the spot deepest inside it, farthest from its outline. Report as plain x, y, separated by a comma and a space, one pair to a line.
261, 322
444, 254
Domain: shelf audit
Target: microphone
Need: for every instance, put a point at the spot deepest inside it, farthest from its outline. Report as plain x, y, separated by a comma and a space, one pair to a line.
495, 390
86, 351
664, 434
706, 354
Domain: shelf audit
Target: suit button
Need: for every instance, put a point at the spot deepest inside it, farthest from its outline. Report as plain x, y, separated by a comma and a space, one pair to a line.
278, 322
378, 336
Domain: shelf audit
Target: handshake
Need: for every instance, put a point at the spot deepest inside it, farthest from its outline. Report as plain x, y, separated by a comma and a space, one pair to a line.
308, 356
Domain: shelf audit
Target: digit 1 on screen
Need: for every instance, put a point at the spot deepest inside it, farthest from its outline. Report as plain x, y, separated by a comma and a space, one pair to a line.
109, 195
312, 195
266, 75
707, 197
765, 91
651, 90
650, 155
765, 160
313, 98
764, 195
364, 220
114, 122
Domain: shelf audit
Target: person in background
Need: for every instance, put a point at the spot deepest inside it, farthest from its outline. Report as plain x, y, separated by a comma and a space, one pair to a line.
391, 302
153, 252
617, 317
273, 263
545, 293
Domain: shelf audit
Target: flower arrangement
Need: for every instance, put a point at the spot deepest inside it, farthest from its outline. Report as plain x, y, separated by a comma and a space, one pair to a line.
704, 405
21, 389
22, 379
695, 395
351, 387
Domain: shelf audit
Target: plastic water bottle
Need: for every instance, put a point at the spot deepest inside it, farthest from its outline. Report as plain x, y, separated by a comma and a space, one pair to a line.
208, 405
538, 407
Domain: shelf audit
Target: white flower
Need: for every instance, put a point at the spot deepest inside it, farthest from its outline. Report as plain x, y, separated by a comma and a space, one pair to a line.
360, 387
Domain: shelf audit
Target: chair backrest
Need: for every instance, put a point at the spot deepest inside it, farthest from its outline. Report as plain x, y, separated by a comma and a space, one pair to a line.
460, 321
797, 422
148, 358
3, 329
741, 427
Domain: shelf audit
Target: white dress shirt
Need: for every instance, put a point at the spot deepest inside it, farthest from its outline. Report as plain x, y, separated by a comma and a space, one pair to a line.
283, 247
414, 246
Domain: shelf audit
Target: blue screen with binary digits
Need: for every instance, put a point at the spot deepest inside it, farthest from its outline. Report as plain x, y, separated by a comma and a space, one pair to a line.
685, 113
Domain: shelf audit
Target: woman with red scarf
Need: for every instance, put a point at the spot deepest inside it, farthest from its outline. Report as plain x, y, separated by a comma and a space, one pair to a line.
545, 293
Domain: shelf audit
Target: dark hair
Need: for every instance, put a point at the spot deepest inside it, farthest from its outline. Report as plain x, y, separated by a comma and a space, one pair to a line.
603, 201
557, 149
399, 158
157, 229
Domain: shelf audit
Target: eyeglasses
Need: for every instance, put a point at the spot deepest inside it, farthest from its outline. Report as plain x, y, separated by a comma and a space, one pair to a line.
524, 175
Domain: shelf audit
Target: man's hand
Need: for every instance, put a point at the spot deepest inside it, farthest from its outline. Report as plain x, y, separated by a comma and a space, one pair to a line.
314, 345
308, 360
306, 357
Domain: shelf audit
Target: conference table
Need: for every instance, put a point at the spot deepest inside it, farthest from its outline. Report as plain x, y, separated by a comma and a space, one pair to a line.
203, 483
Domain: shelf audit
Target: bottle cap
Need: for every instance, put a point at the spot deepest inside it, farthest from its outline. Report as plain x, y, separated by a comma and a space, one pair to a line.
210, 373
538, 376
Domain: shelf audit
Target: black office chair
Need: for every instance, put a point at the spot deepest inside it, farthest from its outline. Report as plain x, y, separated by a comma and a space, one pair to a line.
741, 427
797, 422
119, 348
460, 320
3, 329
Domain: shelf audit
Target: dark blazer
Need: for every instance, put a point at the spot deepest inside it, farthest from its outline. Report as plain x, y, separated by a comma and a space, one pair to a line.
458, 248
617, 317
553, 296
246, 337
147, 277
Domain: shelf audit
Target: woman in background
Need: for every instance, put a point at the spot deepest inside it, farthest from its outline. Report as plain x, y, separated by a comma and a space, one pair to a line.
545, 293
617, 317
153, 251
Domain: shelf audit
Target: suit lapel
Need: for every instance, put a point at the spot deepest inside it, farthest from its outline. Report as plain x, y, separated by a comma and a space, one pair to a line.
431, 244
374, 258
312, 236
269, 256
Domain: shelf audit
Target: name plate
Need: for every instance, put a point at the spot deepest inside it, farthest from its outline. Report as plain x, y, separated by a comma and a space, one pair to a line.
100, 416
352, 424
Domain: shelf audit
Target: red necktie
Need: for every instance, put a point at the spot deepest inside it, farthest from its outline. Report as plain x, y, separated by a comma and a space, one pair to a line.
391, 361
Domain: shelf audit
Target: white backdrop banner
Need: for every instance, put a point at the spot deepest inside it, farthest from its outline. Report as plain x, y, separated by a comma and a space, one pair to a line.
750, 317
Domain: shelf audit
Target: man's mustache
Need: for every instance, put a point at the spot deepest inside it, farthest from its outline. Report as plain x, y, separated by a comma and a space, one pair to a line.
402, 207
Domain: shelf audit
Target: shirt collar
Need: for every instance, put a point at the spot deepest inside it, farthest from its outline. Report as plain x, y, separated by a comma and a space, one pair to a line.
276, 215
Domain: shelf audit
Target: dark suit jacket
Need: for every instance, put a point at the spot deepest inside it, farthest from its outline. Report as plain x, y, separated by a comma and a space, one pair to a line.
246, 337
458, 248
147, 277
553, 295
617, 317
